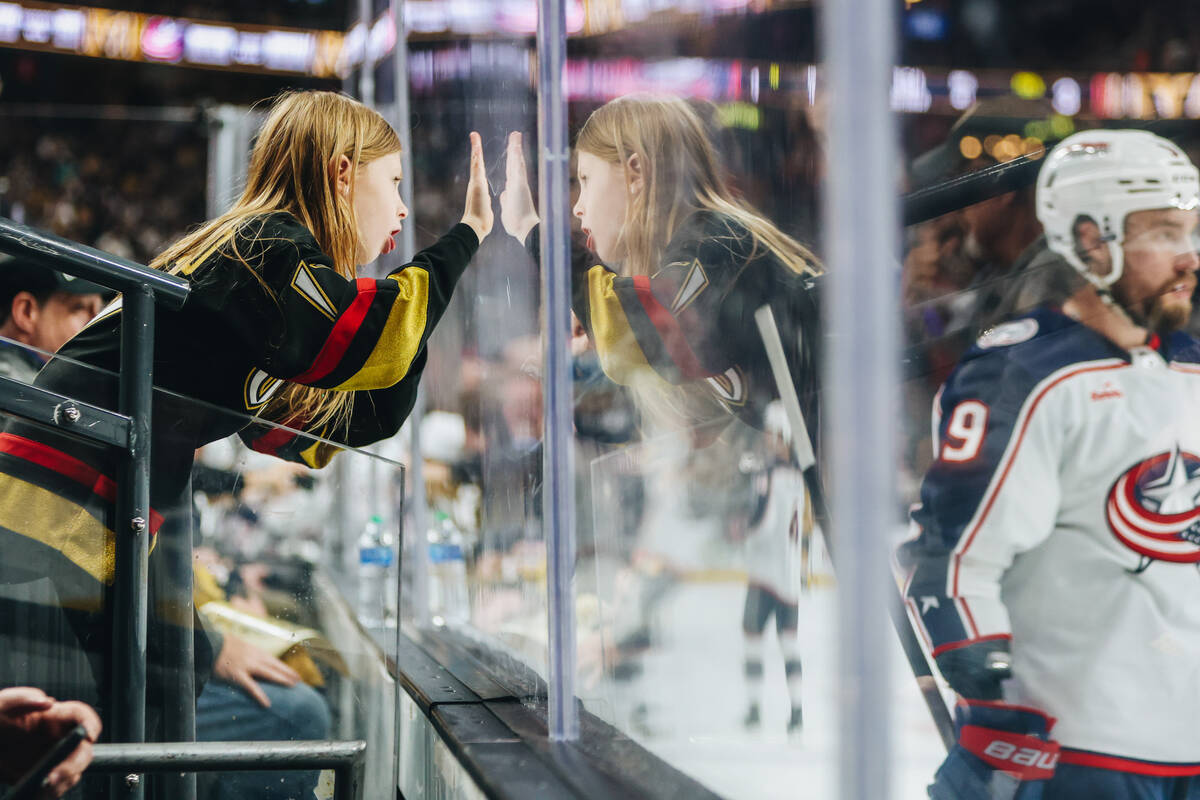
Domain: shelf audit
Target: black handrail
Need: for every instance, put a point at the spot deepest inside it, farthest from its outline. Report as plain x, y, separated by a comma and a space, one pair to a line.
142, 289
89, 263
345, 758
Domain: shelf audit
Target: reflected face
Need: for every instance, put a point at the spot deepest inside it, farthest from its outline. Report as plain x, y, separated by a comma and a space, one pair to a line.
62, 316
1160, 266
603, 197
378, 207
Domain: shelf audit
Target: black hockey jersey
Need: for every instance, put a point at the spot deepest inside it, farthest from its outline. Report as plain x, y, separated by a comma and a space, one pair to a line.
242, 335
693, 320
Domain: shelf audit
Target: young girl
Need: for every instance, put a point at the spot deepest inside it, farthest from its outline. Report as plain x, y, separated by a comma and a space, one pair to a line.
683, 266
277, 325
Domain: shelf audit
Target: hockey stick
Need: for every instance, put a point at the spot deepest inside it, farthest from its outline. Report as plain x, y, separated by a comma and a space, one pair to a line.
807, 461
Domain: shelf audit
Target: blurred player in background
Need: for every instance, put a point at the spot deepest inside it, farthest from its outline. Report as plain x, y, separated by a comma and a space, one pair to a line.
276, 325
772, 539
1055, 568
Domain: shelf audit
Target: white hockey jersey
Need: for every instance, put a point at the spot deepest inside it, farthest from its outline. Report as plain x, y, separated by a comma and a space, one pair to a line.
772, 540
1063, 511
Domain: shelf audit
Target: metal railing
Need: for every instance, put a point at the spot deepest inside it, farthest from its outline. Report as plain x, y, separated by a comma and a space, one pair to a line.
128, 430
130, 761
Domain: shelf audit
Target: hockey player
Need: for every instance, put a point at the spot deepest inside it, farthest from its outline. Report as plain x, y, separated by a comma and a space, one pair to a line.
772, 537
1054, 571
680, 265
276, 325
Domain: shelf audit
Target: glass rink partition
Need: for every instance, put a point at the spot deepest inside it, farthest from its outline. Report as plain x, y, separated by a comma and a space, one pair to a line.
641, 564
643, 534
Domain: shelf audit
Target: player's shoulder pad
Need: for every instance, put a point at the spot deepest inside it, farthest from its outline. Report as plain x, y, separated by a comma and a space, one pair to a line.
1183, 347
1017, 354
277, 241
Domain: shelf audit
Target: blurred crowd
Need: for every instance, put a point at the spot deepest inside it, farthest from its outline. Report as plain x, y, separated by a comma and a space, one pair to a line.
126, 187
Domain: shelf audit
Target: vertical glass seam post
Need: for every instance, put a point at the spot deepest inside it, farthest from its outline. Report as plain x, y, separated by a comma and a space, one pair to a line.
558, 484
130, 584
861, 220
419, 597
366, 68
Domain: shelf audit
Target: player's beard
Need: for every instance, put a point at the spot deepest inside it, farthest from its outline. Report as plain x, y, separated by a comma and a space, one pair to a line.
1163, 313
1164, 318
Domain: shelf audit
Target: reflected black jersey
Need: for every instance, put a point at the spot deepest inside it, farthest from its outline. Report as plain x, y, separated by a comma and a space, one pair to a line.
693, 320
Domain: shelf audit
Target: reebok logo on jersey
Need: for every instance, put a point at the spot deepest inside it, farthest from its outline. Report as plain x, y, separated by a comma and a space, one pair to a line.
1154, 508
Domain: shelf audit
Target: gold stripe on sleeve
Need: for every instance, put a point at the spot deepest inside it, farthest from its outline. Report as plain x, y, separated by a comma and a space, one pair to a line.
618, 350
43, 516
398, 342
319, 454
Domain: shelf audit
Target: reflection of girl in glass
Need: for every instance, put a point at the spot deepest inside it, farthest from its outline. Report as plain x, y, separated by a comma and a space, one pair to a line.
684, 266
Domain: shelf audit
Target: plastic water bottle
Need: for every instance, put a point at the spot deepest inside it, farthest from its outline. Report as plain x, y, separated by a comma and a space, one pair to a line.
376, 589
448, 602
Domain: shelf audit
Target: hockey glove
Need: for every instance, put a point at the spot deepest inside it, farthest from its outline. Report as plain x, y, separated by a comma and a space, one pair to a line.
976, 670
1003, 753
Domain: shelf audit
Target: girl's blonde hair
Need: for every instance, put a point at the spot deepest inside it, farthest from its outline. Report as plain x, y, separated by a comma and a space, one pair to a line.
681, 174
293, 166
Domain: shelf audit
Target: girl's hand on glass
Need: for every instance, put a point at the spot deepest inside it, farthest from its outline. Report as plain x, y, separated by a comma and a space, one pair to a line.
518, 214
478, 211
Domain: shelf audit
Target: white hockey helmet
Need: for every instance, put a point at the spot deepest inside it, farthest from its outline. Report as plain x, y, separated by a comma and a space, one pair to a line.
1105, 175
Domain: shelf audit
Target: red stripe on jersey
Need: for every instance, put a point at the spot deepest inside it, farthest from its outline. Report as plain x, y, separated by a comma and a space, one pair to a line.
342, 334
1083, 758
270, 443
69, 467
668, 328
1012, 456
937, 651
916, 615
1191, 369
966, 610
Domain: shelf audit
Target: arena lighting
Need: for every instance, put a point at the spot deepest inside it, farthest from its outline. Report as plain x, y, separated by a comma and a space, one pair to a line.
1066, 96
963, 88
133, 36
910, 90
1028, 85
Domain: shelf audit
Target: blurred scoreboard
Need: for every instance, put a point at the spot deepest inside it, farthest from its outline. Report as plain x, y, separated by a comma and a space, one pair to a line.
131, 36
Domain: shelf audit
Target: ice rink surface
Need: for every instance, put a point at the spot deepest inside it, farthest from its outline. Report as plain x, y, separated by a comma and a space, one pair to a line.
687, 699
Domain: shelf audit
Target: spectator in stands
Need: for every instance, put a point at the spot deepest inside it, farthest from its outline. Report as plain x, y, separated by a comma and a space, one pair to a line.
40, 309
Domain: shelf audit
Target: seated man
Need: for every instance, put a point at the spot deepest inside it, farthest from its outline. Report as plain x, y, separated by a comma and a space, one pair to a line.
252, 695
40, 309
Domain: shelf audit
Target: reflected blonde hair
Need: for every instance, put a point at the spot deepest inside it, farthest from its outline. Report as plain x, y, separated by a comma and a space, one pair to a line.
293, 167
681, 174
